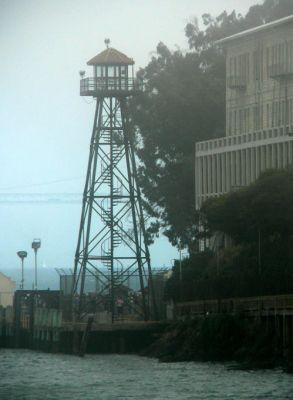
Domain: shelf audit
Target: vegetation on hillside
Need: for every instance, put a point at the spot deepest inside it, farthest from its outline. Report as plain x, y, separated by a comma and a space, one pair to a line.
258, 261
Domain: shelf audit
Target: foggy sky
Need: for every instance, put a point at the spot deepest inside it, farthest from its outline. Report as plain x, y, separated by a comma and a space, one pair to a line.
45, 125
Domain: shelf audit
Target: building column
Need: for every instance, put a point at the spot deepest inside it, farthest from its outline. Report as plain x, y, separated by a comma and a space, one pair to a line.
214, 174
285, 154
233, 168
198, 180
228, 172
290, 159
209, 188
273, 155
237, 168
262, 159
257, 161
218, 174
205, 176
223, 170
252, 164
279, 150
243, 168
247, 166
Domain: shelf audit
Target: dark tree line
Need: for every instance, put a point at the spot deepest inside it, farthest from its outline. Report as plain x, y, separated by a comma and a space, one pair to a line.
258, 220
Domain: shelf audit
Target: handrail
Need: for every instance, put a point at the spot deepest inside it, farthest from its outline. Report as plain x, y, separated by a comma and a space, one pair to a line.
94, 85
255, 305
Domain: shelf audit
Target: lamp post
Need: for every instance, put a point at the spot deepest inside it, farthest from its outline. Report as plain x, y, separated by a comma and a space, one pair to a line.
36, 244
22, 254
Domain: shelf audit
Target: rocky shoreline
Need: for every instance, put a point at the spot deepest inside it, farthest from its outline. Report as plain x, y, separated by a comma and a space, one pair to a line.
221, 338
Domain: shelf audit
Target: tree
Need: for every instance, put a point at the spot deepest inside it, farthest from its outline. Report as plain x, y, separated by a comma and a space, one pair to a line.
259, 219
184, 102
266, 206
258, 261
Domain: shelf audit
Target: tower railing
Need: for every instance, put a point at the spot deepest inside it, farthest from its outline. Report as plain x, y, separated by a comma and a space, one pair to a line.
95, 86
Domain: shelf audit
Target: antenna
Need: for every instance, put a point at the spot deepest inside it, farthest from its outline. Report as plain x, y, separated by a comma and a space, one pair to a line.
107, 42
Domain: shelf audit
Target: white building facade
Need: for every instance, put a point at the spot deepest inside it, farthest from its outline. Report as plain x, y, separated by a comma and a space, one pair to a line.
259, 111
7, 288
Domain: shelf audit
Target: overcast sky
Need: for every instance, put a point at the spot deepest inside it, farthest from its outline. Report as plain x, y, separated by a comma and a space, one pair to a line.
45, 126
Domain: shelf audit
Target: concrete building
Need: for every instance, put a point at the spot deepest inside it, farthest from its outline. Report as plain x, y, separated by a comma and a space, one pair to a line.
7, 288
259, 111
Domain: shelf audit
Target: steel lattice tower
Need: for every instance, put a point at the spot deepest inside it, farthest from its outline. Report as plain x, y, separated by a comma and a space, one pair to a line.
112, 244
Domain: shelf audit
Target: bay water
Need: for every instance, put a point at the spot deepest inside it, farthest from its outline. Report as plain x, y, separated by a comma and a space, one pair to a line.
30, 375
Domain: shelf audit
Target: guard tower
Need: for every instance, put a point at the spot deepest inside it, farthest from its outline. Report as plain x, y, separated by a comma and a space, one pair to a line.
112, 244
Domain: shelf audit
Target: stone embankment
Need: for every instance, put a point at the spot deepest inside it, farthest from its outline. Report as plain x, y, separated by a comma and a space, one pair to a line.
222, 338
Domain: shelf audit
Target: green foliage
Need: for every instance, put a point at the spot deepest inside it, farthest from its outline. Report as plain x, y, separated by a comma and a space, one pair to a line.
184, 102
265, 206
181, 104
259, 222
259, 219
191, 280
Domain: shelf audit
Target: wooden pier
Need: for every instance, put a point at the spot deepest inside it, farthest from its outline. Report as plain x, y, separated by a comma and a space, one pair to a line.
37, 321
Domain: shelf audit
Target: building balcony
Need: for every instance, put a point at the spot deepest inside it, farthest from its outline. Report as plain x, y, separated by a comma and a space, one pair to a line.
236, 82
251, 139
280, 71
110, 87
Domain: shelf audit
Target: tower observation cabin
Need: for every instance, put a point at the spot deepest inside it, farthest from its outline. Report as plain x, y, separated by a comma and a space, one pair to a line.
113, 76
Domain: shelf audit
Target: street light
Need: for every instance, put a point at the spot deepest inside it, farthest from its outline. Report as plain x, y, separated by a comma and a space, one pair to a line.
21, 254
36, 244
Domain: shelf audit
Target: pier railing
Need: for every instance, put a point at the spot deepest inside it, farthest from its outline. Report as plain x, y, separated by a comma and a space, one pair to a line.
250, 306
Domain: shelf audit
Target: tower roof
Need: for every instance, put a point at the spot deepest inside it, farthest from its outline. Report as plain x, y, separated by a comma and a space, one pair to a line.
110, 56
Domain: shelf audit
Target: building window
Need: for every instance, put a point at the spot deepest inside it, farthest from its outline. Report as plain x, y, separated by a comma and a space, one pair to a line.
268, 61
257, 65
268, 115
241, 121
243, 61
283, 113
291, 56
248, 120
230, 66
257, 117
248, 66
235, 66
230, 123
275, 114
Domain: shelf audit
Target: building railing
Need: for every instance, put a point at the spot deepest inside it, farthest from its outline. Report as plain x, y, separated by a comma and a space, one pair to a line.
281, 70
235, 140
94, 86
236, 82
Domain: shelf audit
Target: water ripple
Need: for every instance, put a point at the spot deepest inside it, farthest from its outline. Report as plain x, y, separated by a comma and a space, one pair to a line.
28, 375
